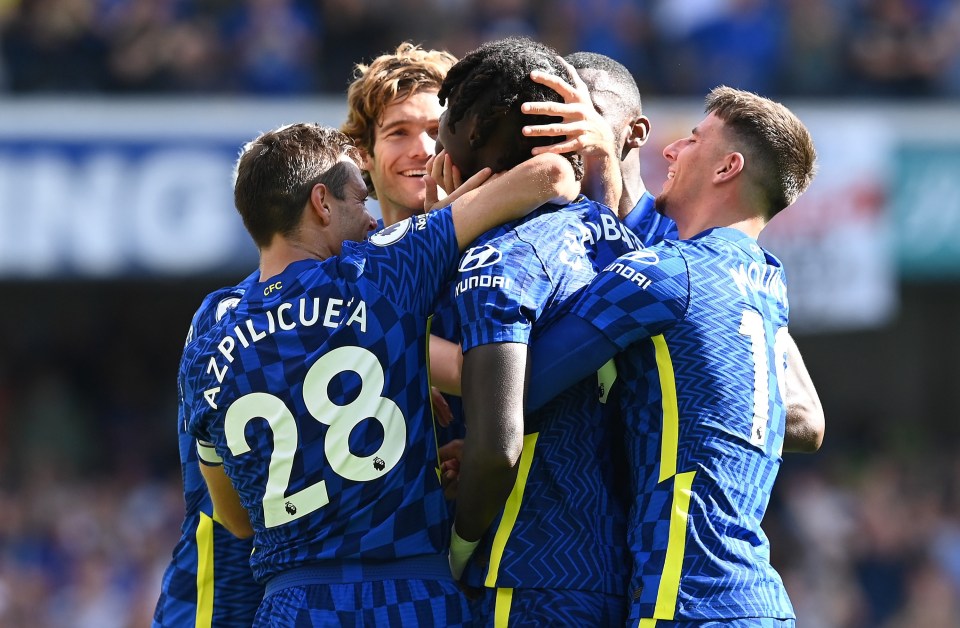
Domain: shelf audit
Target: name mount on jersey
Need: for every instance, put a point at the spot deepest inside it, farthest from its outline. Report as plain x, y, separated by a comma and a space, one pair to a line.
760, 278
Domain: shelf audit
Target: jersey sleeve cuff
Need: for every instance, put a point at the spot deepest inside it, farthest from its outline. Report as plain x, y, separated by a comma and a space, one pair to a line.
208, 455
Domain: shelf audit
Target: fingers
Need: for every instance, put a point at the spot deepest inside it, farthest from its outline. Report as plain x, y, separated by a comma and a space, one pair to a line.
431, 200
457, 177
435, 167
450, 486
452, 179
554, 82
548, 108
569, 146
444, 172
451, 451
555, 129
450, 476
470, 184
578, 83
441, 409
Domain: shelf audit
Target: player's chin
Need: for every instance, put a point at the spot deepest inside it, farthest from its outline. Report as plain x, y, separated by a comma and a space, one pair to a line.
416, 194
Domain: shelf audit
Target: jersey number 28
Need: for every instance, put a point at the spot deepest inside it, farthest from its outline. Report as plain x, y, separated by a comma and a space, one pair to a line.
280, 508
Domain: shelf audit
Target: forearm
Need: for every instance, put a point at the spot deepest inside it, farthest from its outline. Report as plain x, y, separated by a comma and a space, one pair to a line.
494, 441
564, 354
227, 509
446, 364
805, 418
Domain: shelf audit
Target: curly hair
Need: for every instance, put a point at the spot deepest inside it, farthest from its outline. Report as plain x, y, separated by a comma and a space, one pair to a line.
389, 78
492, 82
774, 140
277, 171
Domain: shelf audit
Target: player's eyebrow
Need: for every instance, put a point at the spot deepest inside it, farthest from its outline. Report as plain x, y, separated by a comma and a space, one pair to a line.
394, 123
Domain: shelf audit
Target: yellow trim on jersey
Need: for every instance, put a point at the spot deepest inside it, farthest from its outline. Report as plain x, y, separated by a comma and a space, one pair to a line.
647, 623
606, 376
511, 509
671, 418
433, 415
676, 544
501, 608
204, 617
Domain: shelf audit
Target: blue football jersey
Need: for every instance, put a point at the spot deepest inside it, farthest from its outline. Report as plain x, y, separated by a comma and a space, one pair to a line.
563, 526
700, 386
444, 325
313, 391
208, 582
648, 224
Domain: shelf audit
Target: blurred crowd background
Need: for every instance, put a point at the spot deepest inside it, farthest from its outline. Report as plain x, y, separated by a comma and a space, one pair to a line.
866, 533
903, 48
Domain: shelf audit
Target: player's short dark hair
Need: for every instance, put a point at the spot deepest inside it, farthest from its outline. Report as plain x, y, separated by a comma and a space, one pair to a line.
494, 81
277, 171
623, 95
780, 155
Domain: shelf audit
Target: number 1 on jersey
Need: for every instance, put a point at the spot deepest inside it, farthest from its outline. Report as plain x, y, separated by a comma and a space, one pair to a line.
751, 325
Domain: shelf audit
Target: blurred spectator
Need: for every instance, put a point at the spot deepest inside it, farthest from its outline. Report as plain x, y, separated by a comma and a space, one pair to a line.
896, 48
857, 48
54, 46
160, 46
739, 47
273, 44
812, 63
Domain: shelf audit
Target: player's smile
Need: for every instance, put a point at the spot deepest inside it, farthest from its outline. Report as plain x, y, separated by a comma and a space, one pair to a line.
403, 142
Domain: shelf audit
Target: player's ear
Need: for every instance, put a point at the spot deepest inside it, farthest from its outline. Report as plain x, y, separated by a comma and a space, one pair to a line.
366, 162
639, 132
319, 203
731, 166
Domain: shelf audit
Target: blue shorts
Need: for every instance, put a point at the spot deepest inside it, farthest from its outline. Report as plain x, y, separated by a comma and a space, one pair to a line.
747, 622
547, 607
373, 603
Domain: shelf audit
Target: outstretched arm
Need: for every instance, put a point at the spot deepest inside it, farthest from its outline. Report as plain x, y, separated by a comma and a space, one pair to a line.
569, 350
805, 418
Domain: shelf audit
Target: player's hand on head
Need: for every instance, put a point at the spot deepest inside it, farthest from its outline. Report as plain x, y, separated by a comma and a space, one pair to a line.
582, 128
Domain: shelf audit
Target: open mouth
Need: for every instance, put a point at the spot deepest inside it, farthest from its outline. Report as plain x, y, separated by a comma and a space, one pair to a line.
414, 174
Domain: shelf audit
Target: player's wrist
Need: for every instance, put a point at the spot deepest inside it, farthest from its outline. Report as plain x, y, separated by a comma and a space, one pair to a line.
460, 552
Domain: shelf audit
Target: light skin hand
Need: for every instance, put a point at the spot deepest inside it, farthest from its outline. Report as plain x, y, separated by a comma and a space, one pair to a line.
442, 173
441, 409
584, 130
583, 127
